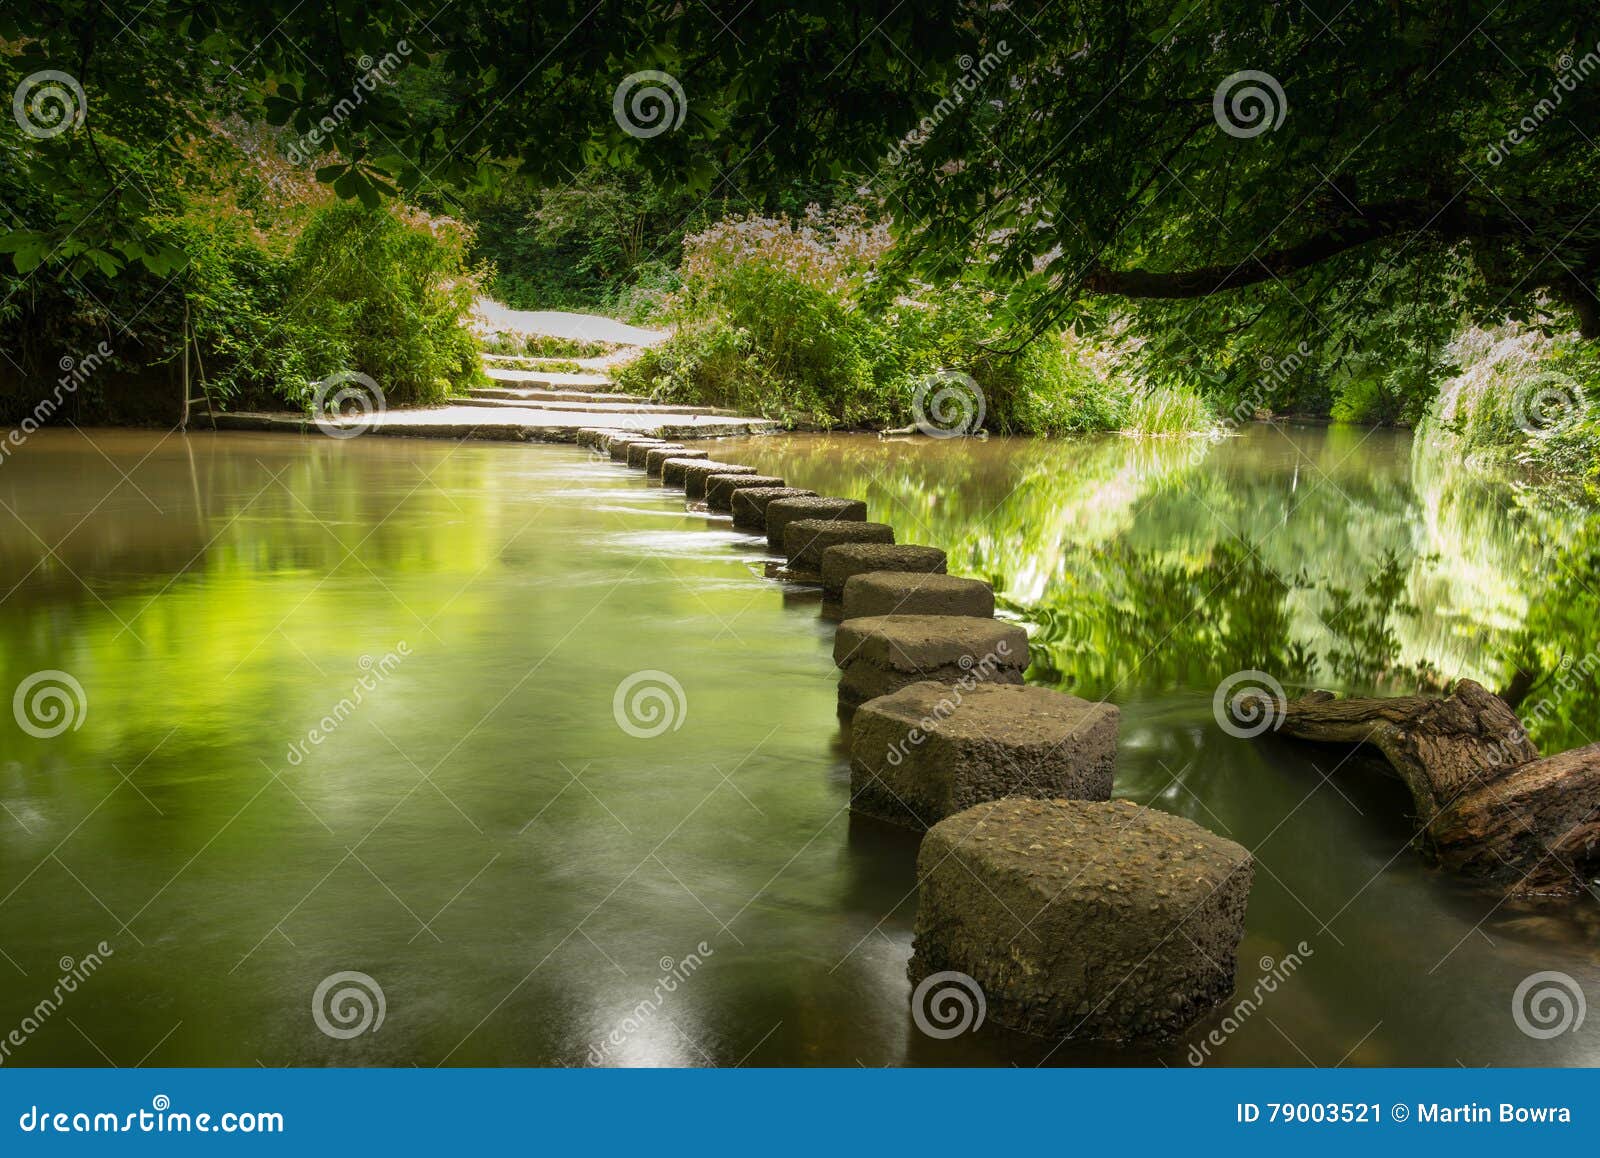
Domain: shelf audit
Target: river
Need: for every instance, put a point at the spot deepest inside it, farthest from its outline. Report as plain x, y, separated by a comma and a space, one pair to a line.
531, 878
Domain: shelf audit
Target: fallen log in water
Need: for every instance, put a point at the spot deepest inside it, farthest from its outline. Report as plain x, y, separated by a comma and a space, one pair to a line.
1486, 803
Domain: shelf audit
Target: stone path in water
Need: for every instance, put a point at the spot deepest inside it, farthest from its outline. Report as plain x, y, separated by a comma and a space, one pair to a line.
527, 399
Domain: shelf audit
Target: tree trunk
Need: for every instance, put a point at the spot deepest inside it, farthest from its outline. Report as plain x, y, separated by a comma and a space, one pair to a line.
1486, 804
1441, 748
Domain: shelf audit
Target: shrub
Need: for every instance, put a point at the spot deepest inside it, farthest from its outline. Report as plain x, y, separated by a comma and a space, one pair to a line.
774, 316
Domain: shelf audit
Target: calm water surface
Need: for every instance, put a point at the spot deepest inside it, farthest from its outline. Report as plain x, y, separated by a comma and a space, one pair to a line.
518, 873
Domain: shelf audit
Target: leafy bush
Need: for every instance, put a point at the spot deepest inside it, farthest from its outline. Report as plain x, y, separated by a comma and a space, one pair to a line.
776, 316
1523, 398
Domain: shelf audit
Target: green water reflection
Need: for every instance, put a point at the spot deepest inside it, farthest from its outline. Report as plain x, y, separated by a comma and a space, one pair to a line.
518, 872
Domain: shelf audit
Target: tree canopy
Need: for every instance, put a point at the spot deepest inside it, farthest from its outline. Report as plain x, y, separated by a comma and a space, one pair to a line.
1276, 167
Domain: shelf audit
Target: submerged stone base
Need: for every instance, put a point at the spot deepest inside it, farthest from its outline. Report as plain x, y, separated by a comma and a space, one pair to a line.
750, 504
881, 654
1079, 919
782, 512
904, 593
720, 487
931, 750
847, 559
804, 540
656, 455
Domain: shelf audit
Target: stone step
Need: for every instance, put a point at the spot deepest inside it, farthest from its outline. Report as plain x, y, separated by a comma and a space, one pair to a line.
530, 362
505, 424
563, 406
515, 394
547, 379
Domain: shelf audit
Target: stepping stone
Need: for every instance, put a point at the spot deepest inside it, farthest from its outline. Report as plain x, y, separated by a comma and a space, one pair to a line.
656, 455
620, 445
637, 451
1075, 918
847, 559
592, 436
672, 469
804, 540
907, 593
750, 504
720, 487
930, 749
781, 512
881, 654
694, 477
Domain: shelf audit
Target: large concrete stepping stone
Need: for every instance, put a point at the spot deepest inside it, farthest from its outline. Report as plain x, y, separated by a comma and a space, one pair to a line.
673, 469
656, 455
782, 512
881, 654
804, 540
847, 559
931, 749
907, 593
638, 450
694, 477
1075, 918
619, 445
720, 487
750, 504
